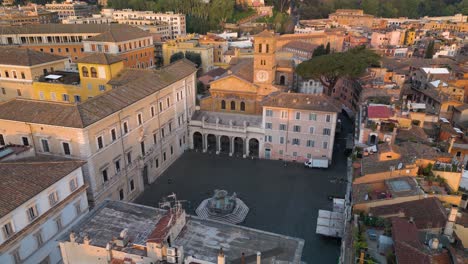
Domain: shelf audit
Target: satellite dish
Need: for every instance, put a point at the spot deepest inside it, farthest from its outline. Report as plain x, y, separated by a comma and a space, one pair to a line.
400, 165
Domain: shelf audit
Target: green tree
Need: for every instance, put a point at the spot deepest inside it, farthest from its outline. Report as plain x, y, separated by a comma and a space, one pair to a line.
370, 6
331, 67
327, 49
429, 50
319, 51
194, 57
176, 56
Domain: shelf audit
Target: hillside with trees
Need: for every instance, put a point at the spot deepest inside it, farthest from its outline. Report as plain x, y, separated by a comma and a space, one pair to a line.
310, 9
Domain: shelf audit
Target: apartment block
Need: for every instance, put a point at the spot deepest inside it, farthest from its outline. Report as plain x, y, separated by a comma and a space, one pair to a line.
299, 126
176, 22
68, 40
128, 136
19, 68
41, 198
71, 8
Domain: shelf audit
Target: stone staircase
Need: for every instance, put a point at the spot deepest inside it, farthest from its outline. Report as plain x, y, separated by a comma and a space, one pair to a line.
237, 216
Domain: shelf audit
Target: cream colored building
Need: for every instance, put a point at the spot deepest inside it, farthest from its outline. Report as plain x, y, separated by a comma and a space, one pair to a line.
20, 67
128, 136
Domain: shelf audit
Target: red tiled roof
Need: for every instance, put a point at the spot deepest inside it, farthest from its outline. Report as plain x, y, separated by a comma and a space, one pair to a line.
379, 111
427, 213
408, 247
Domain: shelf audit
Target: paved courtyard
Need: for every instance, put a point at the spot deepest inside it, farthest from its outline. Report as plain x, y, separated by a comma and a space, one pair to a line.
282, 199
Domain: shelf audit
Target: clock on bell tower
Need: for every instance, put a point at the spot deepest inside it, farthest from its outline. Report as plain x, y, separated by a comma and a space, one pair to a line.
264, 57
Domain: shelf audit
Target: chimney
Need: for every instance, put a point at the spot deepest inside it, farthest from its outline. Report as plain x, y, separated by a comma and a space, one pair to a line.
109, 251
221, 258
411, 220
72, 237
452, 140
259, 257
243, 258
86, 240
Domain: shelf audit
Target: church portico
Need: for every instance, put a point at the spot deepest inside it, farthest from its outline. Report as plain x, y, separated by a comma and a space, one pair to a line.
223, 133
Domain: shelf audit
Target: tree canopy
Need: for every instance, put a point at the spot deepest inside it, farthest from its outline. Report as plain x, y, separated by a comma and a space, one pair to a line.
329, 68
310, 9
177, 56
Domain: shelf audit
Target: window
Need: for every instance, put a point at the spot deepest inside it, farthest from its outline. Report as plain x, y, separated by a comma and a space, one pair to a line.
102, 88
25, 141
14, 74
223, 104
325, 145
39, 239
310, 143
268, 125
117, 165
282, 127
296, 141
309, 156
297, 128
15, 254
153, 113
78, 207
160, 106
45, 145
157, 163
84, 71
32, 212
313, 117
268, 138
53, 97
298, 116
242, 106
142, 147
140, 119
100, 142
162, 132
129, 157
164, 156
7, 74
328, 118
125, 127
132, 185
58, 223
3, 91
53, 198
73, 183
121, 194
233, 105
294, 154
93, 72
269, 112
168, 102
65, 98
326, 131
66, 148
18, 91
281, 140
7, 230
105, 176
23, 76
113, 134
284, 114
170, 127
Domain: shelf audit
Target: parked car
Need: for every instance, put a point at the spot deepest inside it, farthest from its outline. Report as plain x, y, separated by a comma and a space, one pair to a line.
316, 163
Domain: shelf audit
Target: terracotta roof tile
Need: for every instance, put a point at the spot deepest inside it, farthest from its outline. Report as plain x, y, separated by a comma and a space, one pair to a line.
302, 101
427, 213
379, 111
100, 58
130, 86
22, 180
25, 57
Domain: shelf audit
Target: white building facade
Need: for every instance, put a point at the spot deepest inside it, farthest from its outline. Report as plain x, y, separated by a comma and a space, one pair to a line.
29, 231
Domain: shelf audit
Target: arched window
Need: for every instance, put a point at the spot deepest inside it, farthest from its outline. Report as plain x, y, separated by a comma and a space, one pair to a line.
84, 70
93, 72
267, 48
233, 105
282, 80
260, 48
223, 104
242, 106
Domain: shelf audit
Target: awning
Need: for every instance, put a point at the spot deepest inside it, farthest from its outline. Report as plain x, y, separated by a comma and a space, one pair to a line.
53, 76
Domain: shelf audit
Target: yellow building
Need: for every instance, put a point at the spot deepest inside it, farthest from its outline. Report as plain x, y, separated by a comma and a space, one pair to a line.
447, 26
206, 52
94, 72
408, 38
20, 67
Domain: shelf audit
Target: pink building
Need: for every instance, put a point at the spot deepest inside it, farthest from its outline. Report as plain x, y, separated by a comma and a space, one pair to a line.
299, 126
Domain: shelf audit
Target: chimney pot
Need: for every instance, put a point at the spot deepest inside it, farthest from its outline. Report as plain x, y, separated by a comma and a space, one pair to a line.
243, 258
259, 257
